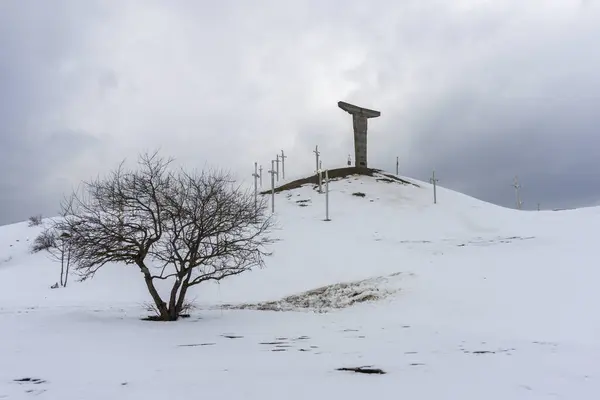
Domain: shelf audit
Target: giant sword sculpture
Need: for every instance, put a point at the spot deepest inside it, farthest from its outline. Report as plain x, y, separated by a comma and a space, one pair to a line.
359, 120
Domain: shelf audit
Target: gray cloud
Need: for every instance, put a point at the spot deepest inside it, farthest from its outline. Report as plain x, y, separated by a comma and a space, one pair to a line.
480, 91
34, 42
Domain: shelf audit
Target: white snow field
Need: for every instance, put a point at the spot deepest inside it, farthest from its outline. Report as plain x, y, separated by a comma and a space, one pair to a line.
459, 300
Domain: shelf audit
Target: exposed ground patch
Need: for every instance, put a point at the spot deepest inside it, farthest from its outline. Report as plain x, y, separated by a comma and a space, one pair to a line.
35, 381
304, 202
232, 336
327, 298
364, 370
284, 344
36, 385
498, 240
482, 352
478, 241
340, 173
157, 318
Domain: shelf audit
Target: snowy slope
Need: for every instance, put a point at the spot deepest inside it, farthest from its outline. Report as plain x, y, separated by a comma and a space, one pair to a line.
475, 301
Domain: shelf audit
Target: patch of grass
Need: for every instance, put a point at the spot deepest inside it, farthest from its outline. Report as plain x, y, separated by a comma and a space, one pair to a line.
35, 220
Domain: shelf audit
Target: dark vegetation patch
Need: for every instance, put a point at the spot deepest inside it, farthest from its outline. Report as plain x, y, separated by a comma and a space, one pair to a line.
399, 180
156, 318
339, 173
44, 241
364, 370
35, 220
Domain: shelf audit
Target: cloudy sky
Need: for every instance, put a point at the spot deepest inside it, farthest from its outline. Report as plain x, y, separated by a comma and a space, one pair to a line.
479, 90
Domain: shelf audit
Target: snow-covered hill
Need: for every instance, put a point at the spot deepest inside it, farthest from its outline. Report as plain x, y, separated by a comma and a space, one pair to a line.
457, 300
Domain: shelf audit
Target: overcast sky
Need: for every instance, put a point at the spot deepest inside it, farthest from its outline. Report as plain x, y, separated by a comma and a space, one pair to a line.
479, 90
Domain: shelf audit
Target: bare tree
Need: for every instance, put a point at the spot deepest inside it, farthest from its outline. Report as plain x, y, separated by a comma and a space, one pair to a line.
43, 241
35, 220
58, 246
185, 228
64, 249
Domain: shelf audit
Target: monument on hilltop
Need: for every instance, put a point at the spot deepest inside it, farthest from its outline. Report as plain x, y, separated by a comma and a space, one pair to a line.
359, 121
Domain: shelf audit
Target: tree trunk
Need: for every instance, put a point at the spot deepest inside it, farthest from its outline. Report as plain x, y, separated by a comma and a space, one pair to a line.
173, 311
161, 306
62, 265
182, 293
68, 265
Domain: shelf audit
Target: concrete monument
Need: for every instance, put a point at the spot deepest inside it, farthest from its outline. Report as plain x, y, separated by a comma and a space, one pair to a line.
359, 119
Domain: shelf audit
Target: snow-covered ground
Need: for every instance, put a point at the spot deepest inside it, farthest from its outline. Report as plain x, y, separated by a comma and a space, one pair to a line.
459, 300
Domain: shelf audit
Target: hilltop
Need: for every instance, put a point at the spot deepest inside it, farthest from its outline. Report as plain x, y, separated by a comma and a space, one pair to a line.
460, 299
